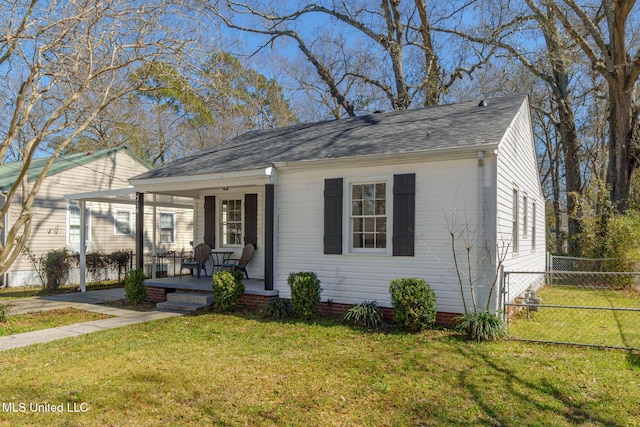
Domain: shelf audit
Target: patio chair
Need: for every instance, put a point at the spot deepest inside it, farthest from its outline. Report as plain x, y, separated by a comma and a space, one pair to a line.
240, 263
199, 259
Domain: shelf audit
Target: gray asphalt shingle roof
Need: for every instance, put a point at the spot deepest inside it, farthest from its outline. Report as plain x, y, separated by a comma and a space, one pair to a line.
441, 127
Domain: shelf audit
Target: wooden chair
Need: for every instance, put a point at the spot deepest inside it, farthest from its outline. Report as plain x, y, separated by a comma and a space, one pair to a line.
241, 263
199, 259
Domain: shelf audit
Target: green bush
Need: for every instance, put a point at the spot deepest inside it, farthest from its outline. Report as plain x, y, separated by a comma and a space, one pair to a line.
278, 309
414, 303
228, 288
56, 264
366, 314
134, 287
482, 326
3, 313
305, 293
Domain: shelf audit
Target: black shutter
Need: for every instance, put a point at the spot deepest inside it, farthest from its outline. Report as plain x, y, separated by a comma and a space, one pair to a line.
251, 219
404, 214
333, 216
210, 220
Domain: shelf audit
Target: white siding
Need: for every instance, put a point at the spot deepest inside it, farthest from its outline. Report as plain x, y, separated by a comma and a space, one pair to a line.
255, 268
517, 168
352, 278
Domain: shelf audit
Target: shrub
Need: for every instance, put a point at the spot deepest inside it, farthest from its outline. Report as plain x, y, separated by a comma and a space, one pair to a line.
278, 309
228, 288
120, 260
56, 264
482, 326
366, 314
305, 293
414, 303
3, 313
134, 287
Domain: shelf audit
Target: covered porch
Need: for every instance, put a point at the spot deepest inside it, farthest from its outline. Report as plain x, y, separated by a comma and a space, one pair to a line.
255, 293
231, 210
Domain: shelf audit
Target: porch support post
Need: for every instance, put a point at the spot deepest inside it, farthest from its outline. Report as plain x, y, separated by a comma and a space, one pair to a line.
83, 246
140, 230
269, 224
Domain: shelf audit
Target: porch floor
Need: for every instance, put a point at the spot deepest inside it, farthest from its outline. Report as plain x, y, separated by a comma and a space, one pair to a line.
192, 283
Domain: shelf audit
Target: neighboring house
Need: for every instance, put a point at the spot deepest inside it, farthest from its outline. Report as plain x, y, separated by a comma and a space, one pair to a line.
365, 200
110, 226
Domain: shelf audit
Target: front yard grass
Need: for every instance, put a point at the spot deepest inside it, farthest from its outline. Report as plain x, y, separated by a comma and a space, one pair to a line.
36, 291
19, 323
240, 369
614, 328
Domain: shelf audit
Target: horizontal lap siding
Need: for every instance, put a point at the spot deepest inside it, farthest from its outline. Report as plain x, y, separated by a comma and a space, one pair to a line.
49, 228
256, 266
352, 278
517, 165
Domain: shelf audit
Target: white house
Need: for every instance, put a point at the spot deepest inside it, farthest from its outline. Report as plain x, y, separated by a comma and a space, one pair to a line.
365, 200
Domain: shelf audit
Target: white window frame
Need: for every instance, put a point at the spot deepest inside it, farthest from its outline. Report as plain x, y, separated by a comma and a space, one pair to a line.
533, 225
115, 222
525, 215
515, 220
173, 235
87, 225
348, 215
221, 223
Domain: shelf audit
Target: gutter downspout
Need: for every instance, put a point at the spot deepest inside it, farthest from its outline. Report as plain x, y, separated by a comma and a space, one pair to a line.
481, 241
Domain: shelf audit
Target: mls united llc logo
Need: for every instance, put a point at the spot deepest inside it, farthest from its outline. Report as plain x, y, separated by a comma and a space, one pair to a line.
23, 408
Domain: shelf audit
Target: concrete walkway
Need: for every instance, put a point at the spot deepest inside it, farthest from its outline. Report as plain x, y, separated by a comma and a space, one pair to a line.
88, 301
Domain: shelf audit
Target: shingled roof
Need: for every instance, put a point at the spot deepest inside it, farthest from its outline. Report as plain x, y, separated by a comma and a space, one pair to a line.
465, 124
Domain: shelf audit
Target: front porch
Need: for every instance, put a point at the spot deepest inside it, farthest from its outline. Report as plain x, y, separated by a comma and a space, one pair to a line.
255, 294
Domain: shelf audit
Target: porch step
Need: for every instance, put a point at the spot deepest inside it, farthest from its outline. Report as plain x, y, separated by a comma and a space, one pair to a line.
185, 301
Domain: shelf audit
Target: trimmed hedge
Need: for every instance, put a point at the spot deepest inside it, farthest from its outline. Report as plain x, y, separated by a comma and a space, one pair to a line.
414, 303
305, 293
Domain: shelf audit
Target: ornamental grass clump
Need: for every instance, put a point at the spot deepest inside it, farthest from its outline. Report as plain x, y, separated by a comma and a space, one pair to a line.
414, 304
228, 288
305, 293
278, 309
482, 326
366, 314
134, 288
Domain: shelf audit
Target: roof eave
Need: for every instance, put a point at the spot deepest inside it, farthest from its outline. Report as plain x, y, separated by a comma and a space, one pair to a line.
436, 154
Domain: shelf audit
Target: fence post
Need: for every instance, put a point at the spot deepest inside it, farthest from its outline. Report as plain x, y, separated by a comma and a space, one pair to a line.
503, 290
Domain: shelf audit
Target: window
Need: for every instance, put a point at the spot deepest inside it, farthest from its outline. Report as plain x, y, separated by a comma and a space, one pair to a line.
525, 216
123, 222
533, 226
369, 216
73, 226
167, 227
515, 220
374, 217
231, 222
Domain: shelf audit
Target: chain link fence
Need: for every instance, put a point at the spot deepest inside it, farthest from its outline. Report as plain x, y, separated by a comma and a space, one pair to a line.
590, 308
566, 263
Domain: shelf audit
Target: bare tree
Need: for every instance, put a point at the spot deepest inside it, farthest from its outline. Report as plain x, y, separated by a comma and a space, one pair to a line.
600, 29
393, 56
63, 64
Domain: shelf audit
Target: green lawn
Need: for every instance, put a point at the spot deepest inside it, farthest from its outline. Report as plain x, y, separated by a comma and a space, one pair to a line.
585, 326
240, 369
17, 324
36, 291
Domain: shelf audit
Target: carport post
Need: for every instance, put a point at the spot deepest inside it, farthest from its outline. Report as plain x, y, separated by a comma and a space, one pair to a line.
139, 230
83, 246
